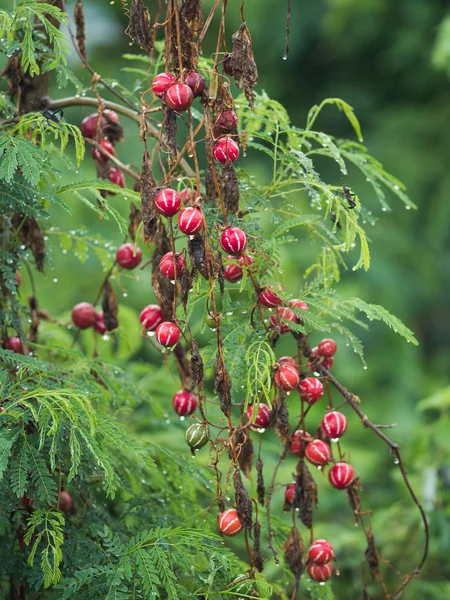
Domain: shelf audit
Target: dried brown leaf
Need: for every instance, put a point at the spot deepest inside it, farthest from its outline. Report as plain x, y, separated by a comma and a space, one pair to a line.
222, 385
243, 501
80, 28
243, 64
185, 287
139, 28
260, 487
211, 176
196, 366
148, 192
280, 418
197, 254
244, 448
371, 555
294, 552
110, 307
30, 235
170, 129
230, 188
256, 551
134, 221
305, 493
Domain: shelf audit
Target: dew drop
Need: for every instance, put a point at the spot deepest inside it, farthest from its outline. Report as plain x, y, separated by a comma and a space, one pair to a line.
334, 439
182, 418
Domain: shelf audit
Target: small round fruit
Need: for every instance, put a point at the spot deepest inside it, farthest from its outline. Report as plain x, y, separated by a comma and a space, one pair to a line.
268, 298
318, 453
321, 552
83, 315
167, 202
151, 316
299, 304
116, 176
300, 440
283, 313
190, 220
228, 69
167, 265
184, 403
327, 347
233, 240
128, 256
310, 390
99, 324
98, 154
179, 97
15, 345
245, 260
287, 360
326, 361
188, 196
226, 149
232, 272
229, 522
262, 418
334, 424
65, 501
286, 378
320, 573
168, 334
341, 475
161, 83
227, 121
289, 494
196, 82
196, 436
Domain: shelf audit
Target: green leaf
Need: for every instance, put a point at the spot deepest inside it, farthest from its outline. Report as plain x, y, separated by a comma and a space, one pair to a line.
375, 312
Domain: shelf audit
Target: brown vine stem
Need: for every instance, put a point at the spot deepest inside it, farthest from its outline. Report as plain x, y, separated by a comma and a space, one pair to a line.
114, 159
395, 449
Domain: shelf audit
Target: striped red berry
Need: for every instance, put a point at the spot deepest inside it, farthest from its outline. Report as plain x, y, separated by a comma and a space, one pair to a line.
341, 475
229, 522
226, 149
318, 453
334, 424
179, 97
320, 573
268, 298
326, 361
151, 316
161, 83
287, 315
190, 220
83, 315
321, 552
98, 154
300, 440
233, 240
233, 272
327, 347
128, 256
184, 403
287, 360
311, 390
168, 263
168, 334
286, 377
196, 82
116, 176
289, 494
227, 121
99, 324
167, 202
262, 418
15, 345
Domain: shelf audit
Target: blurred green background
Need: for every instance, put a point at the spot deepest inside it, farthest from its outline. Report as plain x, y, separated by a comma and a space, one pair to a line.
388, 60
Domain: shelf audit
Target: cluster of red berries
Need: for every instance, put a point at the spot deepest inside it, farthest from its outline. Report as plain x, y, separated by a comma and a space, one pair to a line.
91, 126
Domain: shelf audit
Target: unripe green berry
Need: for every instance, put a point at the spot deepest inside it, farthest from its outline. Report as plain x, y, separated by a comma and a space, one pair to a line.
196, 436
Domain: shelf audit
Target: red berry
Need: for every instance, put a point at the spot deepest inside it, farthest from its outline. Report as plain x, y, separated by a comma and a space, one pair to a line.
179, 97
226, 149
245, 260
83, 315
262, 418
88, 125
283, 313
318, 453
286, 377
267, 297
232, 272
334, 424
168, 334
65, 501
299, 304
99, 324
327, 348
321, 552
196, 82
190, 220
161, 83
233, 240
320, 573
111, 115
227, 121
229, 522
116, 176
106, 145
167, 202
27, 503
167, 265
289, 494
128, 256
15, 345
188, 196
341, 475
311, 390
184, 403
300, 440
151, 316
327, 361
287, 360
228, 69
